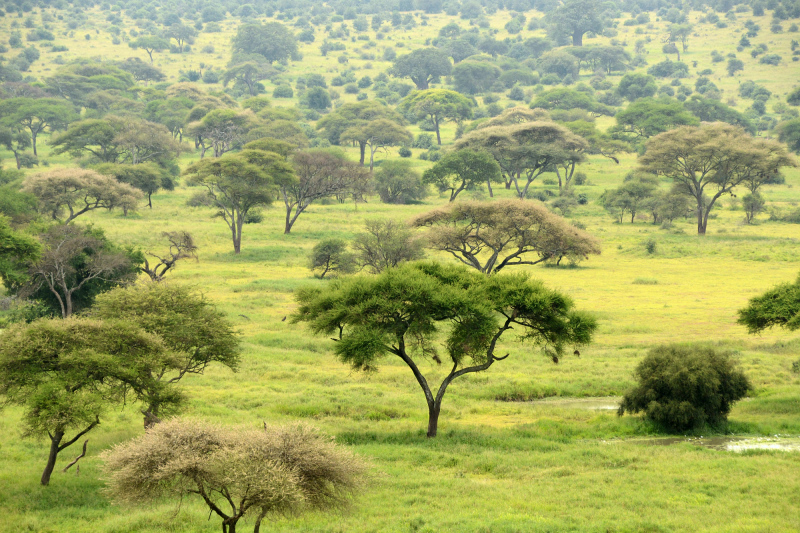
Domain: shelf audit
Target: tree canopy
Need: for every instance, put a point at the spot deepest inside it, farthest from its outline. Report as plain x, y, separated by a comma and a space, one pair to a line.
490, 236
709, 160
437, 105
430, 311
423, 66
462, 170
779, 306
272, 40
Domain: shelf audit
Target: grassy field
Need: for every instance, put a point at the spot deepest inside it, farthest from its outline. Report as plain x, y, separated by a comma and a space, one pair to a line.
503, 462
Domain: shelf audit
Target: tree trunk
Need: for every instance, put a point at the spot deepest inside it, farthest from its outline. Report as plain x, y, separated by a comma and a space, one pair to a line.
433, 418
150, 200
489, 185
438, 136
577, 38
363, 148
33, 140
701, 221
55, 441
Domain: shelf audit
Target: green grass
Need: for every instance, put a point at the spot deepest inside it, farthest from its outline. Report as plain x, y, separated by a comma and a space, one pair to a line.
501, 462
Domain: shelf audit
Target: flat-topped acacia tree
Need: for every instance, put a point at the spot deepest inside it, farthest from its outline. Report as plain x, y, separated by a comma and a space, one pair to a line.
448, 314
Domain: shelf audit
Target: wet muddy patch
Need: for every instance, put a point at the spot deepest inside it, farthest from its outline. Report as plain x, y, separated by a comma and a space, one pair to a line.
782, 443
600, 403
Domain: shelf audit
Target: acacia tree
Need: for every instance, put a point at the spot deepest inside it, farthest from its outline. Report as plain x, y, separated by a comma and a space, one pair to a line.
709, 160
66, 373
181, 246
220, 130
75, 265
376, 134
320, 174
779, 306
463, 170
489, 236
37, 115
386, 244
423, 66
527, 150
183, 35
191, 328
94, 136
438, 106
358, 113
150, 44
236, 471
238, 182
77, 191
431, 311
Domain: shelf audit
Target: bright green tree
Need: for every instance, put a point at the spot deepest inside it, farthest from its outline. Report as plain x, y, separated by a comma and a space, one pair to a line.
454, 316
463, 170
437, 105
424, 66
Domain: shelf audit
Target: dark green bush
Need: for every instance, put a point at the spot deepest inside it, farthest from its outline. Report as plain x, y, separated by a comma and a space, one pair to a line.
684, 387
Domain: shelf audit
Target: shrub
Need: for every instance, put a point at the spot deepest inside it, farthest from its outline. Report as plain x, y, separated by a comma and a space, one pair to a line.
396, 182
331, 256
686, 387
282, 91
404, 152
271, 471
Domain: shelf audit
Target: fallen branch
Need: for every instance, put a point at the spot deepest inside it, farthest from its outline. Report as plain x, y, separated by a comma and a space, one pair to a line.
77, 458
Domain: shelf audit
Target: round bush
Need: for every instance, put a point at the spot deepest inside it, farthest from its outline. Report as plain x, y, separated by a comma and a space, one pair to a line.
282, 91
686, 387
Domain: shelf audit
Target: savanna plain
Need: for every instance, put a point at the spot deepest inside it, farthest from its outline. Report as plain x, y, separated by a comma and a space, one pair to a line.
526, 446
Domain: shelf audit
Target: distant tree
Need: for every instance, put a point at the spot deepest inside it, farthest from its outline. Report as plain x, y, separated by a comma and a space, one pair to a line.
600, 143
459, 50
374, 317
78, 191
647, 117
779, 306
75, 265
793, 97
734, 66
709, 160
680, 33
558, 62
239, 182
236, 471
320, 174
183, 35
753, 204
66, 373
181, 246
317, 98
493, 47
424, 66
150, 44
670, 48
249, 74
356, 115
376, 134
686, 387
36, 115
789, 133
472, 77
396, 182
272, 40
575, 18
190, 327
94, 136
141, 71
608, 58
437, 105
16, 141
17, 250
635, 195
331, 255
147, 177
710, 110
463, 170
386, 244
489, 236
567, 99
221, 130
526, 150
636, 85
